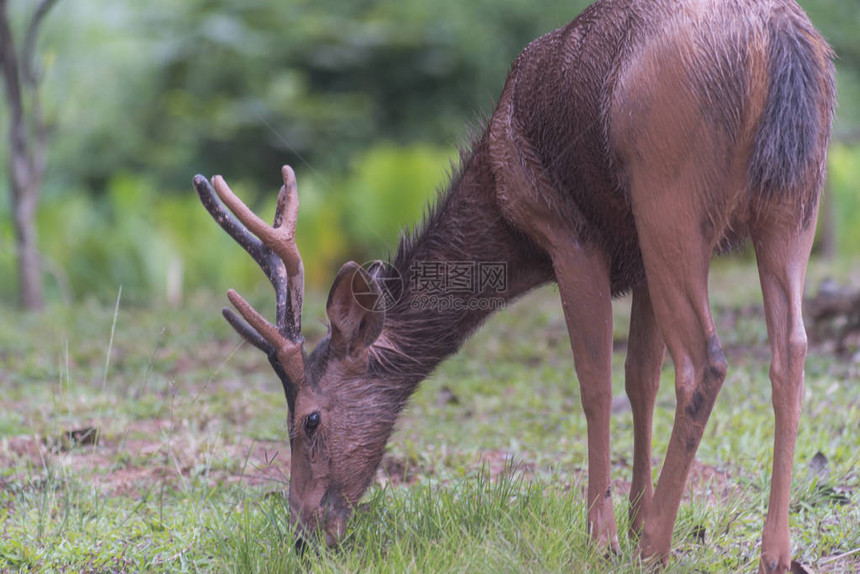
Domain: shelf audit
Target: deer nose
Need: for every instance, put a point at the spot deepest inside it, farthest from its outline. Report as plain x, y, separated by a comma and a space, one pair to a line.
335, 528
330, 539
304, 525
334, 518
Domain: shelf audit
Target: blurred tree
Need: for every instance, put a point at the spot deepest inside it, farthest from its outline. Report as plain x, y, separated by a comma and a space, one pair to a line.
241, 86
28, 144
238, 86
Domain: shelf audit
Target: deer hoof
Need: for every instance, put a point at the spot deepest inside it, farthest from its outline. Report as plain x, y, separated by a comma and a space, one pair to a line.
774, 563
653, 559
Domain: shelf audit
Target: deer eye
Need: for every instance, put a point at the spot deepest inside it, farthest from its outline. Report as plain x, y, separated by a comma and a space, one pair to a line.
312, 422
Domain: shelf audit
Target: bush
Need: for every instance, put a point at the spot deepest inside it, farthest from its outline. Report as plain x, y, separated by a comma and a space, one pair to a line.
387, 190
162, 246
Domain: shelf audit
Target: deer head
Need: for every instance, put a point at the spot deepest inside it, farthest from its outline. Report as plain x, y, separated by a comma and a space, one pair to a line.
339, 420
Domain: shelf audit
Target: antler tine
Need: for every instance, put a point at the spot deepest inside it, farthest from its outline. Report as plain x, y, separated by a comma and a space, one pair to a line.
268, 261
274, 249
248, 332
289, 352
286, 217
252, 336
229, 223
281, 239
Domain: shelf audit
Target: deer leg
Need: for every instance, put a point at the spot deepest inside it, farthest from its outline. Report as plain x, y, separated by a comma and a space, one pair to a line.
782, 268
583, 280
645, 351
678, 285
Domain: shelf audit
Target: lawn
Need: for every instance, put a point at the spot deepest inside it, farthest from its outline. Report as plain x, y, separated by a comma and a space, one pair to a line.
137, 439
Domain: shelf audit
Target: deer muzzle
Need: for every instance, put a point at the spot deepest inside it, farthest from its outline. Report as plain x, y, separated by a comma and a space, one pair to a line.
329, 518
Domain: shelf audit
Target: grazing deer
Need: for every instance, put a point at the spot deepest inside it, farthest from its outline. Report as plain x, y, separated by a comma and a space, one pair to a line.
625, 150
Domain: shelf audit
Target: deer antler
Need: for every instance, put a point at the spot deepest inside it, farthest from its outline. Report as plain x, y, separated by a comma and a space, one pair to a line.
274, 249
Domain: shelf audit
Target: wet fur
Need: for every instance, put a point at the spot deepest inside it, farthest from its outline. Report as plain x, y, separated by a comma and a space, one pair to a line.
558, 105
707, 116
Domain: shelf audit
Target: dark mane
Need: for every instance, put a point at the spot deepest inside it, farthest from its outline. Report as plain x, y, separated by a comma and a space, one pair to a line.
476, 132
411, 356
434, 213
463, 225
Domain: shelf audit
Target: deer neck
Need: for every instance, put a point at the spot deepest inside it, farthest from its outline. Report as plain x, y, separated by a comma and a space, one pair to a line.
462, 264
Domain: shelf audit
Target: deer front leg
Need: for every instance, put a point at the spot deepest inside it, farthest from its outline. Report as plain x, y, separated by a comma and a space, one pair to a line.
645, 351
583, 280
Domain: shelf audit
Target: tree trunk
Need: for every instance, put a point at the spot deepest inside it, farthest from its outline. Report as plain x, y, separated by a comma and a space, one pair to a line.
26, 167
27, 251
25, 180
27, 149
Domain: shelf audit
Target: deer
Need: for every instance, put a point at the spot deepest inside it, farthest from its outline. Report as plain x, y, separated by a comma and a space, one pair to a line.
626, 150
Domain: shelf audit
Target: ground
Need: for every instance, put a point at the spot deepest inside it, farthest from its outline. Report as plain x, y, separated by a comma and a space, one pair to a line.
151, 439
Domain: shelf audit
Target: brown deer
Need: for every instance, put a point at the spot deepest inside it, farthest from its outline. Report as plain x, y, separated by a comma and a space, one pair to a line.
626, 149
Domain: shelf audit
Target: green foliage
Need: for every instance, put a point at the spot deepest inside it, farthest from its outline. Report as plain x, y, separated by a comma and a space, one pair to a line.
844, 176
161, 246
240, 87
365, 99
136, 238
838, 21
388, 189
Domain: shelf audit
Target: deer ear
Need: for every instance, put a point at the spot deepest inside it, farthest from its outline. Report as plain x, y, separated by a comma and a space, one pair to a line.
353, 310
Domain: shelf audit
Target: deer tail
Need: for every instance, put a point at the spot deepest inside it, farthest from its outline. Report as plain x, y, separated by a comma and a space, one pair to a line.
789, 149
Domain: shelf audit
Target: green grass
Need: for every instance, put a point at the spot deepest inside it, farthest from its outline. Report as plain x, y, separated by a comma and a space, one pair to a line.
485, 473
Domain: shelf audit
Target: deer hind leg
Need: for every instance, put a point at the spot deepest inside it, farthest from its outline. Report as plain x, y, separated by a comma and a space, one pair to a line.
645, 351
782, 255
583, 280
676, 254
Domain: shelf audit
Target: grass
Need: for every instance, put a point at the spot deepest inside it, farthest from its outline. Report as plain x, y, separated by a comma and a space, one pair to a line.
486, 472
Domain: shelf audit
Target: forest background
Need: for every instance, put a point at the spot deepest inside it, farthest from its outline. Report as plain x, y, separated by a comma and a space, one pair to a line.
369, 100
